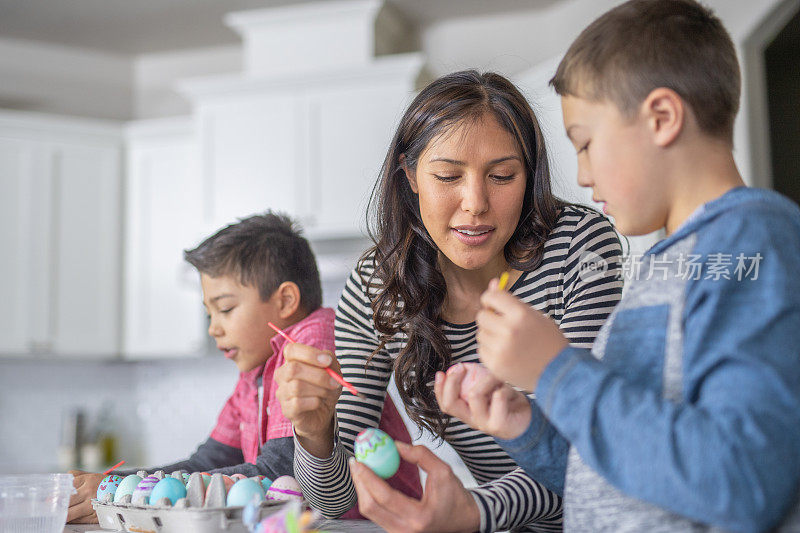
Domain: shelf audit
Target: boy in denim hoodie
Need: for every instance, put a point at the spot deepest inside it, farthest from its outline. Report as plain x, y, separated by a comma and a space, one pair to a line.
685, 414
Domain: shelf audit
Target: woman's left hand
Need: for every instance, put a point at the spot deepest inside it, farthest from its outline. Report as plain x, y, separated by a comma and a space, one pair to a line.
488, 405
446, 506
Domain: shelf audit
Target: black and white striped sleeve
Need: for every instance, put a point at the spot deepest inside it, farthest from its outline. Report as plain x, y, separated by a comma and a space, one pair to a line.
592, 279
517, 502
326, 483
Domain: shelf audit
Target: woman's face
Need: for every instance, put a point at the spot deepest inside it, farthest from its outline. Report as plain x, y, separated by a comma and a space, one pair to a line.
471, 183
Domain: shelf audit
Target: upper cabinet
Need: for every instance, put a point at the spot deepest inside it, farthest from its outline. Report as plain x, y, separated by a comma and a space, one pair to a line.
305, 128
164, 202
61, 208
93, 241
251, 156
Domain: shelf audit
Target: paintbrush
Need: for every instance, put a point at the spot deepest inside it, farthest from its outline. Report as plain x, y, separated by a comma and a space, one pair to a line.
339, 379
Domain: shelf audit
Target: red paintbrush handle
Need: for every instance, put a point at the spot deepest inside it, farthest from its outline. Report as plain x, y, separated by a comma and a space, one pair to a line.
339, 379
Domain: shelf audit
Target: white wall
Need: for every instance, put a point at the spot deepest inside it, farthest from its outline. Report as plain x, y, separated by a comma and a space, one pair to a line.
155, 76
74, 81
517, 41
508, 43
160, 410
177, 404
57, 79
36, 395
523, 44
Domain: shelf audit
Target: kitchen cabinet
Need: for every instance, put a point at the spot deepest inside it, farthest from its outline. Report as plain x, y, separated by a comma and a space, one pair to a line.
60, 202
252, 158
350, 132
303, 131
313, 152
15, 228
164, 215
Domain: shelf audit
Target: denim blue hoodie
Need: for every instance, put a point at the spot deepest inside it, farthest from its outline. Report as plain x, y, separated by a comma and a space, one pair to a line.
685, 415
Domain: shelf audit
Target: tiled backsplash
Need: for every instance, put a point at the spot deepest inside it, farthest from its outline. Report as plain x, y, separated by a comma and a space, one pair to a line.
161, 410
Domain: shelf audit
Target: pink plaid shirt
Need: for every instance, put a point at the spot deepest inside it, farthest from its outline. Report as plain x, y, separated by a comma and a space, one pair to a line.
245, 424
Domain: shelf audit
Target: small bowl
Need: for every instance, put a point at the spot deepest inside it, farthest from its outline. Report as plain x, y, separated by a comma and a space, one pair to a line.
37, 502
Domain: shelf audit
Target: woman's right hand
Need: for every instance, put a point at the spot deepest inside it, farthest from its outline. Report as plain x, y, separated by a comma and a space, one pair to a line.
308, 396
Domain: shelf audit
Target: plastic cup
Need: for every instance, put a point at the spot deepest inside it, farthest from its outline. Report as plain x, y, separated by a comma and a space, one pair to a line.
37, 502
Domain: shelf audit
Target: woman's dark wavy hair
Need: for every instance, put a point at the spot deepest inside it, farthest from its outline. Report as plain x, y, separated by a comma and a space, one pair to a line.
407, 283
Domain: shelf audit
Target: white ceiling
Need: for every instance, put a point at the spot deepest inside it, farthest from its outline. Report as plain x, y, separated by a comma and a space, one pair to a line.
147, 26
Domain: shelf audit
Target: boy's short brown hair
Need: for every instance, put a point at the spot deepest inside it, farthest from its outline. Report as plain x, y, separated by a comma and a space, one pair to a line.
263, 251
641, 45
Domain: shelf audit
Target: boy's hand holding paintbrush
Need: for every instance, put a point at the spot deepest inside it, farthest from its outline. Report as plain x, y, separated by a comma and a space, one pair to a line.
504, 325
489, 403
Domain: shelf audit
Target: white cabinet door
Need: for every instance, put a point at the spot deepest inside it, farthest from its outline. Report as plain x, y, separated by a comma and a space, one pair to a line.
86, 207
16, 160
164, 204
252, 156
60, 228
351, 131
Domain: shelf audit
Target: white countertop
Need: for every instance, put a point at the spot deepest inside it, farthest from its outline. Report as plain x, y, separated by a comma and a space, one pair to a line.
331, 526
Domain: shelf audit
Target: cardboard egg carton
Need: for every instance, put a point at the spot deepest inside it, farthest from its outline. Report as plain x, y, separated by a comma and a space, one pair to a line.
201, 511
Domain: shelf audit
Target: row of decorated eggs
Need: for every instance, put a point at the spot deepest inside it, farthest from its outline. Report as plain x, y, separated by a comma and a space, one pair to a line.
373, 447
240, 489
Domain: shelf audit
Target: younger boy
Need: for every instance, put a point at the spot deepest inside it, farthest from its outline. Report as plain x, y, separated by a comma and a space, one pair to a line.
685, 415
257, 271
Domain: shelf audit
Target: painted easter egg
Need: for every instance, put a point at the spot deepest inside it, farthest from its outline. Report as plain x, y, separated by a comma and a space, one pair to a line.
169, 488
378, 451
265, 482
473, 373
237, 477
206, 478
141, 496
126, 487
284, 488
185, 477
108, 485
243, 492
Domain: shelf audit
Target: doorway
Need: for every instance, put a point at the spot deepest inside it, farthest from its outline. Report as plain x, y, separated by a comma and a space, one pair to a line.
782, 66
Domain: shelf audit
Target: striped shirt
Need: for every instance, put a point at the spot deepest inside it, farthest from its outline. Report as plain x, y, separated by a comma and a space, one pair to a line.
577, 284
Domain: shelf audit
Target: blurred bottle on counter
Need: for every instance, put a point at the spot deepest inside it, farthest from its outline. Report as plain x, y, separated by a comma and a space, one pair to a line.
85, 446
106, 438
73, 423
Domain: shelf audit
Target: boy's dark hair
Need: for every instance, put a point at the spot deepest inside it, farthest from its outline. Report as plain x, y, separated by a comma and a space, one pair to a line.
644, 44
263, 251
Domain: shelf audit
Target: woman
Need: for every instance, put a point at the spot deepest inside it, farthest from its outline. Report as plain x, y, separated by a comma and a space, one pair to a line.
464, 195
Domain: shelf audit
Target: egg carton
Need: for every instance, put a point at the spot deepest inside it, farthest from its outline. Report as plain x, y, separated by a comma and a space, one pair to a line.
192, 514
